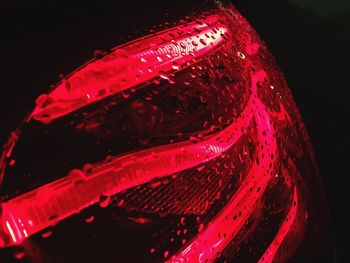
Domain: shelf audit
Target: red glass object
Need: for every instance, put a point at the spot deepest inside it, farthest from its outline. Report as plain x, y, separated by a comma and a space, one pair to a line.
195, 122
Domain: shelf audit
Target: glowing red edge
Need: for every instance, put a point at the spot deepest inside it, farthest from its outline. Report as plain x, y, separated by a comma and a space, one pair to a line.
206, 245
42, 207
283, 231
130, 65
36, 210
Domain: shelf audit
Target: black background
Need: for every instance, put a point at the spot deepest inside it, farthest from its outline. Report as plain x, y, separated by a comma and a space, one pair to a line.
313, 52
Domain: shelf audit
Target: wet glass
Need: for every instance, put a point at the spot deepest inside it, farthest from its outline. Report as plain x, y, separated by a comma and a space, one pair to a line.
180, 142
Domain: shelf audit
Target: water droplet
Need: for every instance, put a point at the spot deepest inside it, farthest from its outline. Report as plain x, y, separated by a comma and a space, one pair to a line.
46, 234
155, 183
125, 95
193, 139
101, 93
203, 42
175, 66
199, 169
140, 220
156, 81
165, 76
19, 255
65, 82
182, 45
198, 22
87, 168
241, 55
90, 219
200, 228
104, 201
182, 220
121, 202
143, 140
197, 30
41, 100
98, 54
121, 53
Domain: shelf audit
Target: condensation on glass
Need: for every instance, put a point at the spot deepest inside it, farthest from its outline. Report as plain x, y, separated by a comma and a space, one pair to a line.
181, 146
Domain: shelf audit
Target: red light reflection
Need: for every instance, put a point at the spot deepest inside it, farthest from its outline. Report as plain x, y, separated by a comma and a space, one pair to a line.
130, 65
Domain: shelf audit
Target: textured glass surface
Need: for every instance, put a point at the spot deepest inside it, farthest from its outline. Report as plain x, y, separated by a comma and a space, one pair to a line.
183, 145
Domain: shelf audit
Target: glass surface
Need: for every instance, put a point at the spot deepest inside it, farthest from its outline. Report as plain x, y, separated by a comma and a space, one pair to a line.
180, 143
